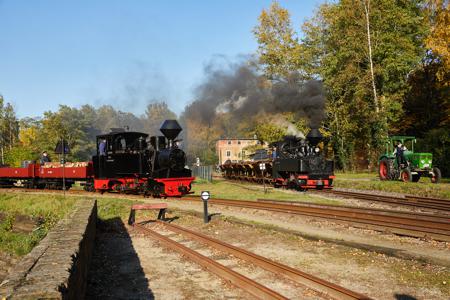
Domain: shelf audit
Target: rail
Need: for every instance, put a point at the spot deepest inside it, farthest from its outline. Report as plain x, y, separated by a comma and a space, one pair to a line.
239, 280
407, 200
402, 223
310, 281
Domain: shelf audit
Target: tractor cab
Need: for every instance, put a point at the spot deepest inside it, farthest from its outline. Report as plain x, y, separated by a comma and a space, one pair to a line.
406, 165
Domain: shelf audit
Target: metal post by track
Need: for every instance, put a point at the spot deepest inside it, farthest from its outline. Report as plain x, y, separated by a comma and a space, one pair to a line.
205, 195
262, 167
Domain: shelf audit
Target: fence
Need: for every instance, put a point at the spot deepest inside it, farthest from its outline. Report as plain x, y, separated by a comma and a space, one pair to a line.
203, 172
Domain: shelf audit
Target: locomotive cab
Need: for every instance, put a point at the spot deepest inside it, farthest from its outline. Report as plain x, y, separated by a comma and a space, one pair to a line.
123, 155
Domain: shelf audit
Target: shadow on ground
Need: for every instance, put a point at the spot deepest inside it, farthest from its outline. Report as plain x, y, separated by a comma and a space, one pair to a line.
404, 297
116, 271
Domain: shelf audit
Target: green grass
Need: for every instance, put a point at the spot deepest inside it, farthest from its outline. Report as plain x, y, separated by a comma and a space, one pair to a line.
110, 208
370, 181
243, 191
45, 209
354, 175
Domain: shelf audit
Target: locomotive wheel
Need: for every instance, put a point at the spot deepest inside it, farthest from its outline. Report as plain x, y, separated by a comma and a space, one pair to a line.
157, 190
406, 175
436, 178
385, 169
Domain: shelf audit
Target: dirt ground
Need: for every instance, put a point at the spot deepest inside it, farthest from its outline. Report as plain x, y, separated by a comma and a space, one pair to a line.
376, 275
316, 228
21, 224
6, 263
127, 265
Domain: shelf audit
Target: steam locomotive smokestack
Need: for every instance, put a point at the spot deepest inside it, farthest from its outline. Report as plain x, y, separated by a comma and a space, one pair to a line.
314, 136
170, 129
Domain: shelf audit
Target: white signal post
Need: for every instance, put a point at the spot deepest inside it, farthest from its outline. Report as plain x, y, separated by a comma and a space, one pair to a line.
262, 167
205, 195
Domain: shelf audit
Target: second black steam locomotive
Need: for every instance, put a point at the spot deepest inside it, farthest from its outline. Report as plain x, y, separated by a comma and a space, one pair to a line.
296, 163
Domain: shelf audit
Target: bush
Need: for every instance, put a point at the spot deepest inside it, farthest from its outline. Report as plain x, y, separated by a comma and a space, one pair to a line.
17, 154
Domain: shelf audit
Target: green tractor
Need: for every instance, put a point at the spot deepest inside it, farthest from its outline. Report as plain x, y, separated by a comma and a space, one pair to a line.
411, 166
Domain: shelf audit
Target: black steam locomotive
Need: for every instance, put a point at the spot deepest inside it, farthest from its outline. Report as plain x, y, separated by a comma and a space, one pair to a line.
133, 162
294, 162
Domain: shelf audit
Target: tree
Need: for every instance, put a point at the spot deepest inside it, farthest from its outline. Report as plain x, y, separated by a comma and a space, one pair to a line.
278, 46
439, 37
155, 114
366, 4
9, 128
426, 102
364, 65
269, 132
68, 124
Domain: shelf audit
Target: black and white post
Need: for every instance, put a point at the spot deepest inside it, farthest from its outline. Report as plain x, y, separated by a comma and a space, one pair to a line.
205, 197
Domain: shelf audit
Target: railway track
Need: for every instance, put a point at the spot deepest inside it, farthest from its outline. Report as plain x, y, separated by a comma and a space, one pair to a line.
407, 200
256, 289
403, 223
411, 224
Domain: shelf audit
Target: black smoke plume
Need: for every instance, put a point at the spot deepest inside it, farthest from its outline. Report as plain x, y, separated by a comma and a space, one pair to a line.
241, 91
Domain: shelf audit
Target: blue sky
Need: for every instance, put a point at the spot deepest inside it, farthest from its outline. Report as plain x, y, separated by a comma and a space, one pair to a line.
123, 53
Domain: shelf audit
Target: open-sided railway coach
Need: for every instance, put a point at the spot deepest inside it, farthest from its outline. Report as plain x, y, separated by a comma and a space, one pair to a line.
128, 162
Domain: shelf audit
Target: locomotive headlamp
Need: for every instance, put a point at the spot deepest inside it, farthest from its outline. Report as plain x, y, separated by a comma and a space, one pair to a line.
317, 149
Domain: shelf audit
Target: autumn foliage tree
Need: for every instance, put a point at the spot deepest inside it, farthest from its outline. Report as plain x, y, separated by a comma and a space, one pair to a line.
278, 48
364, 63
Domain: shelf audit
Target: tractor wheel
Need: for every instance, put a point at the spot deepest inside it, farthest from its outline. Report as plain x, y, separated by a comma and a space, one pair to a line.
385, 169
416, 177
436, 178
406, 175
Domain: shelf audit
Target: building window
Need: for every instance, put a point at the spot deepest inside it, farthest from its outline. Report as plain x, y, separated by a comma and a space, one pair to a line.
229, 142
228, 153
239, 142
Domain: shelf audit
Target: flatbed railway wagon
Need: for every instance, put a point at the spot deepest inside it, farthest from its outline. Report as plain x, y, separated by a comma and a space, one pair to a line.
46, 176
